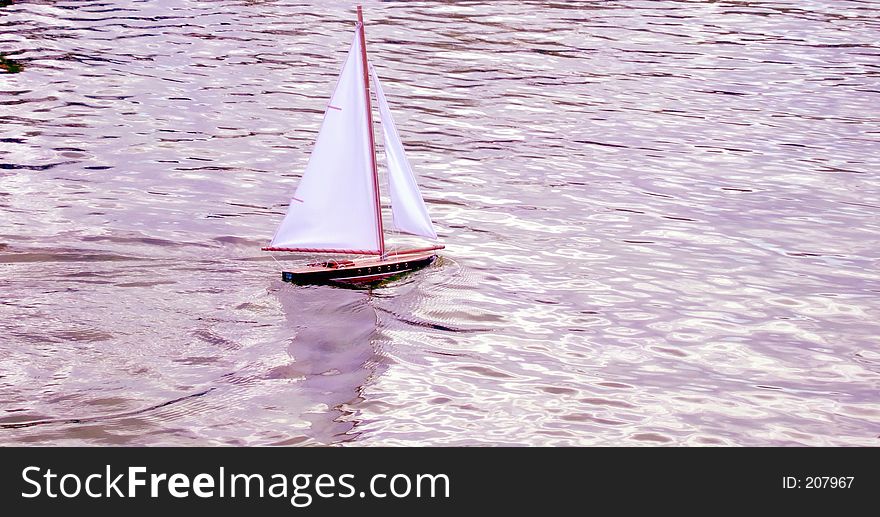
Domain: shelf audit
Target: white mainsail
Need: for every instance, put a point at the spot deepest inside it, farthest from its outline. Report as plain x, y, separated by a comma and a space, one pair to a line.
334, 207
407, 206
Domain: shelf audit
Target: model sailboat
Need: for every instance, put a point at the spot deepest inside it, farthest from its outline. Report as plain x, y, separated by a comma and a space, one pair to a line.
336, 207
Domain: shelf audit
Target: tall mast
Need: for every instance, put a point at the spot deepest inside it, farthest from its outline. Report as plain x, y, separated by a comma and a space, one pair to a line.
379, 228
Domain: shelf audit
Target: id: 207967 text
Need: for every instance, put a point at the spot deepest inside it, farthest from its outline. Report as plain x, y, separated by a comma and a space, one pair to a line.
818, 482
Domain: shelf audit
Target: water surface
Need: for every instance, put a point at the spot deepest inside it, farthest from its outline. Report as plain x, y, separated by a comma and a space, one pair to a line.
662, 223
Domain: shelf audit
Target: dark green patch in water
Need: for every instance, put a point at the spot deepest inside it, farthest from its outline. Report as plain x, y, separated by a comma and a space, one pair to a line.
6, 64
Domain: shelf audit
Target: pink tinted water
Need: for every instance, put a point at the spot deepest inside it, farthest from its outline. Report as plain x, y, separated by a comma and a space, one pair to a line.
661, 218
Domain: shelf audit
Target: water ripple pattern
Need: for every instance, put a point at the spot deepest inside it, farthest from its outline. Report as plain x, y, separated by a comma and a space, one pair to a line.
662, 219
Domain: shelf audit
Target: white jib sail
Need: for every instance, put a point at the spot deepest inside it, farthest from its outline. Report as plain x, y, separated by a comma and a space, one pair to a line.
407, 206
334, 207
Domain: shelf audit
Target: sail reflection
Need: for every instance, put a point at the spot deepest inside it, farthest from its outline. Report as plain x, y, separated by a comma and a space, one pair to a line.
333, 350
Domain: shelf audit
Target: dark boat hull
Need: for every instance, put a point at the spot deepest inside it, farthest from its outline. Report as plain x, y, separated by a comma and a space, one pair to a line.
363, 271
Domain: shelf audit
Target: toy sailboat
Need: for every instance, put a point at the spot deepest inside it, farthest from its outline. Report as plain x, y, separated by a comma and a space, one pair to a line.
336, 207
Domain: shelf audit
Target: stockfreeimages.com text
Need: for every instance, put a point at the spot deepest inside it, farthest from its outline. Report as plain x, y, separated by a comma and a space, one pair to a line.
299, 488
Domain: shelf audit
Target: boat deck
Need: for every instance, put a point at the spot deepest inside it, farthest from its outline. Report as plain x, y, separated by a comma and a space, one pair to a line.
361, 270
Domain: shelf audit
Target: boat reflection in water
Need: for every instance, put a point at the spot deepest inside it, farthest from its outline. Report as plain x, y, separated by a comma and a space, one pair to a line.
335, 354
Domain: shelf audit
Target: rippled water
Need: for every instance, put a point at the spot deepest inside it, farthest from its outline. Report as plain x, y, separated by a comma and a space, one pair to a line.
661, 219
